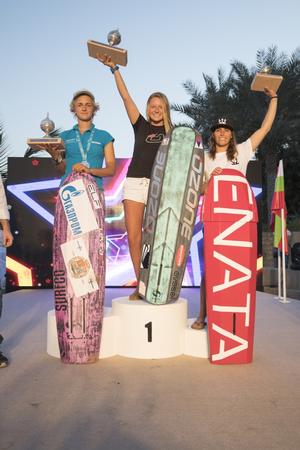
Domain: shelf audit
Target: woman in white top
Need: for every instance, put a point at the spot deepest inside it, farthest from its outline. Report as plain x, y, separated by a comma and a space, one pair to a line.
225, 153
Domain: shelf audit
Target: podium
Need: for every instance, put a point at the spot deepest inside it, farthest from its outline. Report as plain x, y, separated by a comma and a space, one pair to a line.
137, 329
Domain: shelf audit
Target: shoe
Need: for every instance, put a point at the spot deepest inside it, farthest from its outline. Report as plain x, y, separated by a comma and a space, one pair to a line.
198, 324
135, 296
3, 360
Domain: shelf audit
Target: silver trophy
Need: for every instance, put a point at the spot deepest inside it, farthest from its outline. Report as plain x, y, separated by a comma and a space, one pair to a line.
266, 69
47, 125
38, 144
98, 50
264, 79
114, 38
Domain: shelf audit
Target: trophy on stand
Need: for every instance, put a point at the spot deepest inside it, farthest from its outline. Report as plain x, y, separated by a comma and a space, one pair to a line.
264, 79
47, 142
118, 55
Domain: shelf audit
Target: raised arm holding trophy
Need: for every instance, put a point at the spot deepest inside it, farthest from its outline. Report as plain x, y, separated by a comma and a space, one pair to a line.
149, 133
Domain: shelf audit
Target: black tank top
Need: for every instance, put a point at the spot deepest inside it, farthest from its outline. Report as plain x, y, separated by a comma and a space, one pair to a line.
146, 143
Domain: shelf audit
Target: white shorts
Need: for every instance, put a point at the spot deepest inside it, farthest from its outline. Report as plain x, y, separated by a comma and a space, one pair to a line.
136, 189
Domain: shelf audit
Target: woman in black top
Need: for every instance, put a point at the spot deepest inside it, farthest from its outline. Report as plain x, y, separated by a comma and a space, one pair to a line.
148, 136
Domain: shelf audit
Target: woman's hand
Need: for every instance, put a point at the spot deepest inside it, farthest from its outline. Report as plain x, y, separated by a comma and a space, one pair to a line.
54, 150
270, 93
81, 168
216, 171
106, 60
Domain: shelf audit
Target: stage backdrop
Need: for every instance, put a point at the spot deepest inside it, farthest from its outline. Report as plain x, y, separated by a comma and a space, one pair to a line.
32, 187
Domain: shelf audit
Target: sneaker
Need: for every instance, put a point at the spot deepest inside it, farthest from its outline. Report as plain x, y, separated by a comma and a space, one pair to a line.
3, 360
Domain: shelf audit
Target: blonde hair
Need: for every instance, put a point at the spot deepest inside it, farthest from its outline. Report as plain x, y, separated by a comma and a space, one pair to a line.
166, 109
78, 94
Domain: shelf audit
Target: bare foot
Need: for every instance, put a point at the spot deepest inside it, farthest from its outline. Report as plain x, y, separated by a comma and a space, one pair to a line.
135, 296
199, 324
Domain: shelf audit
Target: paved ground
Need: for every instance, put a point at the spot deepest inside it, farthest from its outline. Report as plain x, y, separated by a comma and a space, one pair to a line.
177, 403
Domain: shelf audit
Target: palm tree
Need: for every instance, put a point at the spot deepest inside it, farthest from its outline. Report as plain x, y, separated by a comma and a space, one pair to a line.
231, 96
283, 140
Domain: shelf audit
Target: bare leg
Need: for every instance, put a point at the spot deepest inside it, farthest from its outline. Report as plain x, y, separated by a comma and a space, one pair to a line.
200, 321
134, 214
202, 314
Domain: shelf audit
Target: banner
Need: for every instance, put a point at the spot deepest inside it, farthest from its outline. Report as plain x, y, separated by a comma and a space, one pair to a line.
279, 206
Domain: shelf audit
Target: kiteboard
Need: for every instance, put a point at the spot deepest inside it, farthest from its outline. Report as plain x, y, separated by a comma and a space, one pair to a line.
172, 204
230, 254
79, 268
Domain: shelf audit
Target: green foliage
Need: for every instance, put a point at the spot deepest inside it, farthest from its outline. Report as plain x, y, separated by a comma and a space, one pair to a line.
293, 223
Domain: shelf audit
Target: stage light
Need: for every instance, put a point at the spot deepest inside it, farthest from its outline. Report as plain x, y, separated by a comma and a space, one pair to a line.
19, 190
259, 263
23, 272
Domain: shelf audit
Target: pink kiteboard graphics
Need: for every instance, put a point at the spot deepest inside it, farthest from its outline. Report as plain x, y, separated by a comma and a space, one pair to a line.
230, 253
79, 268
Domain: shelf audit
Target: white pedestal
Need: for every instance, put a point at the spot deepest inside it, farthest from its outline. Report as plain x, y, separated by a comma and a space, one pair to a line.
196, 341
150, 331
137, 329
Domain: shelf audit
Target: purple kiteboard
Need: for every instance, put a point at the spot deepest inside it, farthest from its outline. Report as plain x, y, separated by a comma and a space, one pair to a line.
79, 268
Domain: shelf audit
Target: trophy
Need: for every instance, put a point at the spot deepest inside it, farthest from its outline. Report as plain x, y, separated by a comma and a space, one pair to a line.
47, 142
264, 79
118, 55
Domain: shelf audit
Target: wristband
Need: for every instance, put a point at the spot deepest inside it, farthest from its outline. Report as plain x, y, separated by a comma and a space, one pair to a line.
275, 96
113, 69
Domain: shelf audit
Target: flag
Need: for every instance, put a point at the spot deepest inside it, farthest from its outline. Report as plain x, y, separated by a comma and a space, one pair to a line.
278, 204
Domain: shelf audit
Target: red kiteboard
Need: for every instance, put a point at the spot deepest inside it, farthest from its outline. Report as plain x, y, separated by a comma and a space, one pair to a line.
79, 268
230, 253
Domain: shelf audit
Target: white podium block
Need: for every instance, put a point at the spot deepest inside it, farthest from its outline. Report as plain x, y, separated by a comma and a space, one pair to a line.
196, 341
108, 346
137, 329
150, 331
52, 341
108, 338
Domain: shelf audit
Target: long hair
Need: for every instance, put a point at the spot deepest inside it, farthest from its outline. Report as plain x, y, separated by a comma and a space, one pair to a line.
231, 151
166, 109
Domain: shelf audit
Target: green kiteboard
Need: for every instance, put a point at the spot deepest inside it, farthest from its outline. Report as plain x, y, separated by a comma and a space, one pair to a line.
172, 204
